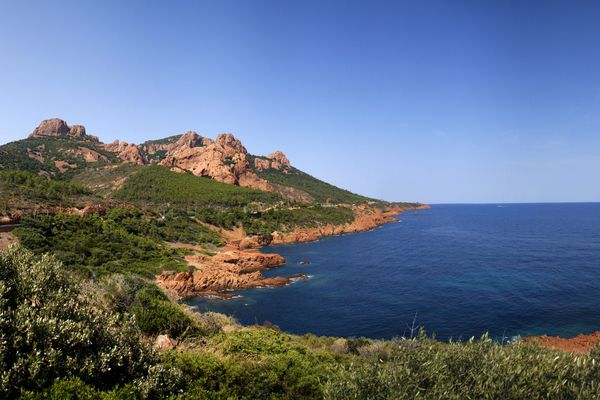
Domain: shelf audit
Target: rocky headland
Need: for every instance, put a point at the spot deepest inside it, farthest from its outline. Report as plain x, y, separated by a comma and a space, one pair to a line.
239, 264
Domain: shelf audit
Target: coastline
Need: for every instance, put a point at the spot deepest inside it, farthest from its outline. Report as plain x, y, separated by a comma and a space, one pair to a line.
580, 344
239, 263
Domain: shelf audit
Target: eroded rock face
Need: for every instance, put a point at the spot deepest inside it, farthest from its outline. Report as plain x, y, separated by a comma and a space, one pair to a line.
88, 155
58, 127
127, 152
77, 130
276, 160
51, 127
164, 342
279, 161
227, 270
224, 160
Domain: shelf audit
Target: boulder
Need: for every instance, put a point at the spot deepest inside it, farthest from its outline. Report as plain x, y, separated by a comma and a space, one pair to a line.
164, 342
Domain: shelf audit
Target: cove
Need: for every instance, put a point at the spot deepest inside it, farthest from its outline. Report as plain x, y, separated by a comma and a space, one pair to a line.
513, 269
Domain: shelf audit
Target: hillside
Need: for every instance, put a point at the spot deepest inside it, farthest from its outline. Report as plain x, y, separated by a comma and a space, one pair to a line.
119, 233
58, 150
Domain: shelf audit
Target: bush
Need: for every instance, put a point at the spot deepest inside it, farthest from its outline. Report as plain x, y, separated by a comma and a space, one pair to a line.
478, 369
48, 330
96, 246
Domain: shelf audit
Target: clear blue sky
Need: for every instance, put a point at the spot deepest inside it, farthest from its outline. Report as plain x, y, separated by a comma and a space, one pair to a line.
435, 101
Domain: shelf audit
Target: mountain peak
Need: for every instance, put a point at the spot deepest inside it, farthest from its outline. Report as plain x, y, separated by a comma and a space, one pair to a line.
58, 127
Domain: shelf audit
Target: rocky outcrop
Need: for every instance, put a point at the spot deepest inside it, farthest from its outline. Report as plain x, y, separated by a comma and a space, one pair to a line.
227, 270
365, 219
88, 155
164, 342
279, 161
58, 127
276, 160
225, 159
127, 152
63, 165
580, 344
214, 282
77, 130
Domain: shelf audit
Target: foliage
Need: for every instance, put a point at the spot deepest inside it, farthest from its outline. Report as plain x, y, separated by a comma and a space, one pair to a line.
158, 185
303, 216
154, 313
257, 363
477, 369
172, 227
99, 246
38, 187
276, 219
321, 191
49, 330
16, 155
104, 180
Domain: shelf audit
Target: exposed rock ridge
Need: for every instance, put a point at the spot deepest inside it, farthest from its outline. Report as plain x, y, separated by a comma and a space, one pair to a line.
276, 160
127, 152
225, 159
57, 127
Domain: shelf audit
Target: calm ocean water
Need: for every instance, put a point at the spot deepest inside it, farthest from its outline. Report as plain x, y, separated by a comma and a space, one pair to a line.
517, 269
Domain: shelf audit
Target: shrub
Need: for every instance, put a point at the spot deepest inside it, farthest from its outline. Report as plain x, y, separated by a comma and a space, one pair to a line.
49, 330
96, 246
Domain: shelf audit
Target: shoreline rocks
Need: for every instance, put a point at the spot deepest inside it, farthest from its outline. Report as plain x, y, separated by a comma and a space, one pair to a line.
580, 344
239, 266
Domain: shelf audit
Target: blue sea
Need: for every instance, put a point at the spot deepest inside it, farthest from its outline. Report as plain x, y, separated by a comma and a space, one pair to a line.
511, 269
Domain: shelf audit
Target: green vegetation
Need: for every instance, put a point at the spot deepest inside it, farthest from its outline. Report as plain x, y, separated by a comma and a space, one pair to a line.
285, 219
39, 154
105, 180
98, 246
477, 369
158, 185
223, 205
154, 313
31, 186
50, 331
61, 339
321, 191
22, 190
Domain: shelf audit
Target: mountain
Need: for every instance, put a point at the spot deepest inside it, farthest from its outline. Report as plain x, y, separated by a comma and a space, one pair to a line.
57, 150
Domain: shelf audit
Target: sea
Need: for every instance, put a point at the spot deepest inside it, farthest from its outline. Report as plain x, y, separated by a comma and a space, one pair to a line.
457, 271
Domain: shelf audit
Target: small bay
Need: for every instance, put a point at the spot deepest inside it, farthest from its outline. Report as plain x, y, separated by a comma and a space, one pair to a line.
510, 269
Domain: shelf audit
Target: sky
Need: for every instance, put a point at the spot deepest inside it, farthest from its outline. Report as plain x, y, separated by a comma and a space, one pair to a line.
431, 101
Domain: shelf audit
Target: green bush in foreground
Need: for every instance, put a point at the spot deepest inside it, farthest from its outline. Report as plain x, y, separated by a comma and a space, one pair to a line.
58, 343
478, 369
48, 330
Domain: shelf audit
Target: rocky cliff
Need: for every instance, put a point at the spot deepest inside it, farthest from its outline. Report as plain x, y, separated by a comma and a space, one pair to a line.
224, 159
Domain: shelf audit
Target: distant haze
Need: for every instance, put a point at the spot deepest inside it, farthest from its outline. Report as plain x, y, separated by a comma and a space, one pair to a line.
432, 101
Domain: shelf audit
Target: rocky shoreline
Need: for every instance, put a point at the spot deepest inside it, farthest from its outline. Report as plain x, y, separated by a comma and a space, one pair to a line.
580, 344
239, 264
